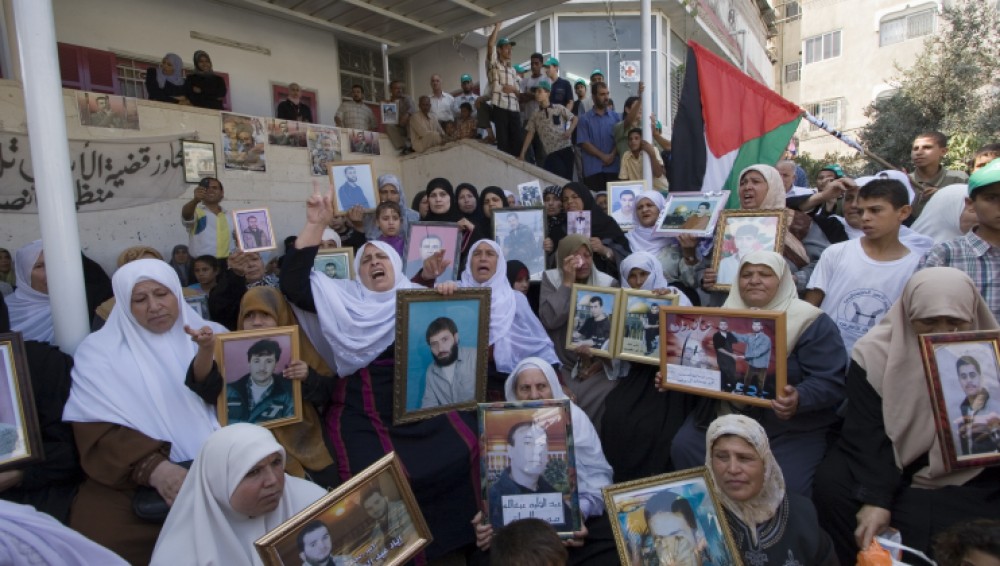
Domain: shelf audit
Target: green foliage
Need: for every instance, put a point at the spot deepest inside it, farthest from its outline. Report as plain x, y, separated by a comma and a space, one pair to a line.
557, 474
952, 87
854, 165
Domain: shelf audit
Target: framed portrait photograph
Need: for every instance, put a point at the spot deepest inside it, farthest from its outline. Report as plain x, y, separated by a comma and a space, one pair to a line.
373, 518
622, 196
530, 194
199, 160
578, 222
734, 354
521, 234
390, 113
741, 232
651, 521
442, 352
528, 464
254, 231
20, 432
100, 110
424, 239
354, 185
639, 325
593, 319
963, 377
244, 142
337, 263
287, 133
694, 213
362, 141
323, 143
255, 359
200, 304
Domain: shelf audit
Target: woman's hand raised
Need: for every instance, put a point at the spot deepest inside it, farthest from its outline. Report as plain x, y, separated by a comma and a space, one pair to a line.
319, 206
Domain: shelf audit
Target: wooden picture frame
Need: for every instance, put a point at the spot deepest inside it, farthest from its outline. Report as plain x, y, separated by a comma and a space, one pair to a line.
254, 230
355, 536
556, 498
524, 238
638, 336
963, 379
692, 331
426, 238
693, 213
760, 229
237, 360
430, 325
586, 327
353, 184
675, 493
529, 195
199, 160
20, 431
624, 218
341, 258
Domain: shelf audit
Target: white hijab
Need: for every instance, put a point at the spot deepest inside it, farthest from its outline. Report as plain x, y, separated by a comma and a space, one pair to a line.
593, 472
30, 312
646, 239
202, 527
28, 536
941, 215
656, 280
357, 323
124, 374
515, 333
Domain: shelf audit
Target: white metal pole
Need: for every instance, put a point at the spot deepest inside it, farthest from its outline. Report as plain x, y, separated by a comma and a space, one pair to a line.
385, 71
43, 104
646, 74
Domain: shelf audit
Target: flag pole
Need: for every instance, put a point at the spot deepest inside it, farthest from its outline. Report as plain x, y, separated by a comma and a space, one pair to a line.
846, 139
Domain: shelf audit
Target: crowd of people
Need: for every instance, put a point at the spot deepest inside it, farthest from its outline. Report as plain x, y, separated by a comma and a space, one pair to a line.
844, 452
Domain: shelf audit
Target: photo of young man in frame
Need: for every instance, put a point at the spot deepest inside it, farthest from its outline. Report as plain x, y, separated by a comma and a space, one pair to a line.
256, 390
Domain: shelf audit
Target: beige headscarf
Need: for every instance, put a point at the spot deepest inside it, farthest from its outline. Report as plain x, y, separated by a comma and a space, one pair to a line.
765, 504
890, 354
568, 245
775, 200
798, 313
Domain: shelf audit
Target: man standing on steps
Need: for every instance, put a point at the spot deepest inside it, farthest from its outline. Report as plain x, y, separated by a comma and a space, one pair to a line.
504, 91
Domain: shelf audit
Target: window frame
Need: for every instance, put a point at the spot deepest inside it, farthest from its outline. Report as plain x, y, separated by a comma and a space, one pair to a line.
831, 41
905, 18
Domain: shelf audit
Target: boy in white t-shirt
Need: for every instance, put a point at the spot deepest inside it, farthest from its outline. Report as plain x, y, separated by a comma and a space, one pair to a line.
855, 282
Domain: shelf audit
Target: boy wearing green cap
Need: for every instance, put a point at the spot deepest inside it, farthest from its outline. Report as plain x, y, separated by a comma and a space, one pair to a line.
554, 124
468, 95
562, 91
978, 252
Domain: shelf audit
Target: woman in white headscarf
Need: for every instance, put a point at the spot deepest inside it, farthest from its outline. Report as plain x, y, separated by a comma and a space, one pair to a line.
946, 216
769, 526
802, 414
30, 312
679, 256
236, 492
134, 406
28, 536
352, 324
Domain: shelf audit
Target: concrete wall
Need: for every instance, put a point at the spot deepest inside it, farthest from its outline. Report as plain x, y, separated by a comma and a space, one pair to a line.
445, 59
473, 162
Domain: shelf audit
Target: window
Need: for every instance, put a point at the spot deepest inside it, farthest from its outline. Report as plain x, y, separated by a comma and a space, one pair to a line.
363, 66
793, 72
792, 10
132, 76
822, 47
898, 28
830, 111
677, 71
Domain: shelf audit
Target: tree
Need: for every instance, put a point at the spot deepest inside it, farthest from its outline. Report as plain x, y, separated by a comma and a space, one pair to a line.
952, 87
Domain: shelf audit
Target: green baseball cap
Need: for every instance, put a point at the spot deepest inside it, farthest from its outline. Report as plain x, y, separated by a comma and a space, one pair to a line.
505, 41
546, 85
466, 79
581, 82
550, 62
597, 72
837, 169
988, 175
518, 69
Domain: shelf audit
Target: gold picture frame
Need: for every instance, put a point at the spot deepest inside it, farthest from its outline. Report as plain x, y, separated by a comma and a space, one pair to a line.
586, 328
365, 181
639, 327
234, 353
255, 236
342, 259
761, 230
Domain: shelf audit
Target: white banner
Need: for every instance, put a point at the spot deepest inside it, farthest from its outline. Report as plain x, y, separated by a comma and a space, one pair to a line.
107, 174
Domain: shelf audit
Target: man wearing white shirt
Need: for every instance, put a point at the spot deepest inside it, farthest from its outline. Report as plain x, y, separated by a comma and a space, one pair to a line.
441, 102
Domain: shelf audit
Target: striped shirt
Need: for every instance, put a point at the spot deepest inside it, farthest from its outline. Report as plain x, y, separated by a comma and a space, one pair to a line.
500, 75
356, 115
977, 258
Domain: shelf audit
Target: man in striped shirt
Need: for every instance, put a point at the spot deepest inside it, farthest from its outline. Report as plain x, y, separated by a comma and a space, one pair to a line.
504, 89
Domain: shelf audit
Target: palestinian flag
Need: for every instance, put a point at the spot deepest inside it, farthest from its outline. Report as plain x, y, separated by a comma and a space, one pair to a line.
726, 121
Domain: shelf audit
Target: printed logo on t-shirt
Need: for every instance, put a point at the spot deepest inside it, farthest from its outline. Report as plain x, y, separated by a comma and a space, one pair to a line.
861, 309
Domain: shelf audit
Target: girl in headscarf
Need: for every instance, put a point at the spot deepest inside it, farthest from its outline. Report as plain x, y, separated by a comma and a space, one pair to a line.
203, 87
679, 256
7, 268
607, 241
164, 82
555, 221
390, 189
467, 197
236, 492
803, 414
30, 312
420, 204
133, 415
946, 216
589, 378
518, 276
888, 466
769, 526
181, 261
353, 325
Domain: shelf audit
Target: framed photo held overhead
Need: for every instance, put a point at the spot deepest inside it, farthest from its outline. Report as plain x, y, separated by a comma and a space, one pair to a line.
622, 197
652, 521
20, 432
336, 263
639, 325
254, 230
199, 160
521, 234
354, 185
442, 352
529, 442
530, 194
251, 360
741, 232
593, 319
963, 379
373, 518
733, 354
424, 239
695, 214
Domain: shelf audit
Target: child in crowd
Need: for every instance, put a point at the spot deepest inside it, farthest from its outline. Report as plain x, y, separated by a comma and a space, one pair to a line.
466, 126
970, 543
389, 216
206, 272
855, 282
528, 542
